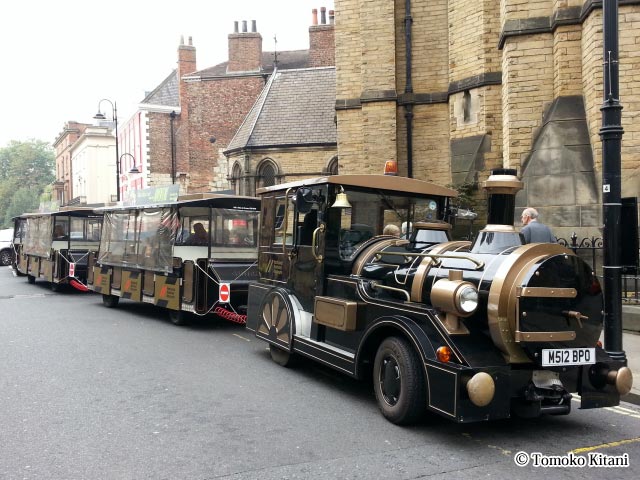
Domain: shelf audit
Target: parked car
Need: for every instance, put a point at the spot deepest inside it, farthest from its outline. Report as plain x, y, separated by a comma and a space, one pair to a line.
6, 250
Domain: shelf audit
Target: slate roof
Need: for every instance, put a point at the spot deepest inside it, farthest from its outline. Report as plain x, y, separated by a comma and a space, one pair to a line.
296, 107
287, 60
166, 93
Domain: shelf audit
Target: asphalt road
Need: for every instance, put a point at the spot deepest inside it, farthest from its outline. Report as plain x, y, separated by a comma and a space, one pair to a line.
88, 392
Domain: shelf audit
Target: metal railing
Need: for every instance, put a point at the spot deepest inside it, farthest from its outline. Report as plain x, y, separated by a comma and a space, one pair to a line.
590, 249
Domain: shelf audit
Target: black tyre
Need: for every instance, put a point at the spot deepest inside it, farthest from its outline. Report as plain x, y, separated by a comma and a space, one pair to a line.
6, 257
110, 301
55, 287
398, 382
282, 357
178, 317
31, 279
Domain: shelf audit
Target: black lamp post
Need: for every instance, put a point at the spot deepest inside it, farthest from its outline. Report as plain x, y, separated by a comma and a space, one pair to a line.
611, 135
100, 116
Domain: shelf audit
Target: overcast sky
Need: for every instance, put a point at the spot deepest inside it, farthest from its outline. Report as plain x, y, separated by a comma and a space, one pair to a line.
60, 57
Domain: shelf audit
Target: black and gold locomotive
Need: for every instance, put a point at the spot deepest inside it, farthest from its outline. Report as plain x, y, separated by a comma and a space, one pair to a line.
471, 331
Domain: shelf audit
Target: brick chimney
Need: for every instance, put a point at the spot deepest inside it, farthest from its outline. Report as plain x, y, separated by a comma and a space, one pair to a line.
322, 50
245, 49
186, 64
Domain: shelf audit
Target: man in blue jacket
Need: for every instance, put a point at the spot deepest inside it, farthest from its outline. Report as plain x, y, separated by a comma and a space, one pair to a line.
534, 231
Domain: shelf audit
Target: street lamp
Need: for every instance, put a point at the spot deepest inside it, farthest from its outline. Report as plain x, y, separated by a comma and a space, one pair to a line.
100, 116
134, 168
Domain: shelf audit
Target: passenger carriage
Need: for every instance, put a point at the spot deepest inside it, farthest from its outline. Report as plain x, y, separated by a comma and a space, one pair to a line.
195, 255
55, 246
470, 331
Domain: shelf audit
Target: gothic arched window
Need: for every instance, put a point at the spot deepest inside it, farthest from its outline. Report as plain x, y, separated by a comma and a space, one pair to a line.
267, 174
236, 179
332, 166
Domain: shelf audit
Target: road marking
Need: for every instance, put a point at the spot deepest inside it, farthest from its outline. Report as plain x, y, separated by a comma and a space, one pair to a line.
617, 409
605, 445
241, 337
503, 451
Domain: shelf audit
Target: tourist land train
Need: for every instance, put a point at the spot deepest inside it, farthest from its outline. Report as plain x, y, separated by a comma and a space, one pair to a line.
472, 331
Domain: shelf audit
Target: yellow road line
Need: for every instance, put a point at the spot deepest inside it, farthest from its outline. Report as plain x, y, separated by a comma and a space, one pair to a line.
241, 337
605, 445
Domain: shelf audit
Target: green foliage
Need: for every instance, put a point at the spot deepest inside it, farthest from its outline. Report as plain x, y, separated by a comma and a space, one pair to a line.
466, 194
26, 168
21, 202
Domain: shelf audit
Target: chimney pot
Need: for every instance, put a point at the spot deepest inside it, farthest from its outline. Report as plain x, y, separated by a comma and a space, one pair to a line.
181, 39
244, 26
190, 41
314, 16
235, 27
332, 17
323, 15
253, 26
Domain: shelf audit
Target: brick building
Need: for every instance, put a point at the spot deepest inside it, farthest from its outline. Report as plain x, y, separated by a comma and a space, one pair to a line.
63, 185
486, 84
289, 134
190, 118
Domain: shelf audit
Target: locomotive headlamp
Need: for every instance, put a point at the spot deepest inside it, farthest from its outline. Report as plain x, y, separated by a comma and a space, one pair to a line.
455, 296
468, 299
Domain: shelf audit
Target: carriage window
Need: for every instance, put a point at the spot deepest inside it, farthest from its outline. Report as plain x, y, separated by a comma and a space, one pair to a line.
235, 228
141, 239
38, 236
194, 231
61, 228
77, 229
371, 212
94, 226
282, 229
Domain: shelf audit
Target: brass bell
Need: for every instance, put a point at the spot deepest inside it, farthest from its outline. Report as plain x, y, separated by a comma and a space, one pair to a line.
341, 200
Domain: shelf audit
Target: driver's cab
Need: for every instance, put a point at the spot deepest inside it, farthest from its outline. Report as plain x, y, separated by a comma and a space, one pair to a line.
318, 227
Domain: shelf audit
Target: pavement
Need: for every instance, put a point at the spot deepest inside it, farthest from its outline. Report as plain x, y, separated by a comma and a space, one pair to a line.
631, 346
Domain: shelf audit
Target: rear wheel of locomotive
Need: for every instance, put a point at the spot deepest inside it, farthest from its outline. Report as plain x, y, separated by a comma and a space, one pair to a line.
398, 382
31, 279
110, 301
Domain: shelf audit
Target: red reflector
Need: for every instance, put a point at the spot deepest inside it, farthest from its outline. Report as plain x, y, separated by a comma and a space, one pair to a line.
443, 354
599, 344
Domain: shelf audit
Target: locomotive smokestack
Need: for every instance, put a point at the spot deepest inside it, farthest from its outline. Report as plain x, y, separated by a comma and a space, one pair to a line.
502, 186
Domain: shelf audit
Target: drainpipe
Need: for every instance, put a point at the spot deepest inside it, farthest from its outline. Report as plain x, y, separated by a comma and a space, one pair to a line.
172, 117
611, 135
408, 89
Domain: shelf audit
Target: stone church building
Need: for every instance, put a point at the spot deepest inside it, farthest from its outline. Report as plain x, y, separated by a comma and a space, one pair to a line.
453, 88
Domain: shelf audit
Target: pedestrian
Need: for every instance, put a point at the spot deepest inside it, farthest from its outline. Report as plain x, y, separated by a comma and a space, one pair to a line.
534, 231
391, 229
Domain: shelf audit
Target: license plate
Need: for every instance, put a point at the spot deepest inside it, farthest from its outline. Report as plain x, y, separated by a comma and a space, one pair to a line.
568, 356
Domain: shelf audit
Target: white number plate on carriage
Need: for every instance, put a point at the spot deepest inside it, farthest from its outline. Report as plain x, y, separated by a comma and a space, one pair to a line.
568, 356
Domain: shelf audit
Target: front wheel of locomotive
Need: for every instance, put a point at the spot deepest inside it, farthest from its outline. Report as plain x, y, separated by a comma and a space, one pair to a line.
398, 382
282, 357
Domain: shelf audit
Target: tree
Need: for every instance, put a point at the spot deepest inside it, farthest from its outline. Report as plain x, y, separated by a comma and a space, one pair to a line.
22, 201
27, 166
